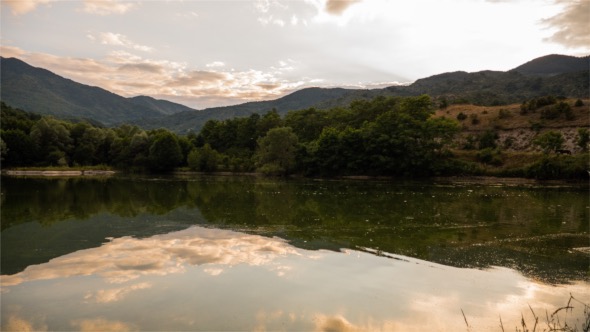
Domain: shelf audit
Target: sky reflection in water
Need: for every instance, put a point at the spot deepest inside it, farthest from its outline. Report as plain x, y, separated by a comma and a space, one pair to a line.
212, 279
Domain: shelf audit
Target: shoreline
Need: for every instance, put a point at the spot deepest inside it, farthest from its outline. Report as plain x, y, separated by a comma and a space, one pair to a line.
465, 180
57, 173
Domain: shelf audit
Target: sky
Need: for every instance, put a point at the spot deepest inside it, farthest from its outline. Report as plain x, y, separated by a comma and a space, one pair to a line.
225, 52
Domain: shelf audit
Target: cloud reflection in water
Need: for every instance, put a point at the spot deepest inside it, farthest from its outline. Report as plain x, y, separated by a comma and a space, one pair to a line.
127, 258
212, 279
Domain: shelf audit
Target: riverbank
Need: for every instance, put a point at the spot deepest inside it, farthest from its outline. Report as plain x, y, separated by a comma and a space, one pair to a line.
57, 172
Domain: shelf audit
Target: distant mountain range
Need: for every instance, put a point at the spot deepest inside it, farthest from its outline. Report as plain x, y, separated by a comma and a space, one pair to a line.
40, 91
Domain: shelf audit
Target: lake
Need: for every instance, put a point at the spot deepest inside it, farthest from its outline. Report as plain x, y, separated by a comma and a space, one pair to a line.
244, 253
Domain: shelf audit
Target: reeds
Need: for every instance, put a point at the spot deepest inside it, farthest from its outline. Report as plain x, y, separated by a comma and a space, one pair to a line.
559, 320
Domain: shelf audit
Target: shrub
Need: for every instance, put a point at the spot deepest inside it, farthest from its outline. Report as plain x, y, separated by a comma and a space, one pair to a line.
549, 141
488, 139
490, 156
461, 116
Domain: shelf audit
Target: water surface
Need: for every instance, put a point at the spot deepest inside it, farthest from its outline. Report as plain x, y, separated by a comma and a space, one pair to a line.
214, 253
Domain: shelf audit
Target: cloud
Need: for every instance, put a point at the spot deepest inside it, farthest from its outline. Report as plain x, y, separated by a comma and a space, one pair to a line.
115, 294
116, 39
15, 323
215, 64
20, 7
124, 259
337, 7
572, 26
107, 7
142, 67
100, 324
98, 7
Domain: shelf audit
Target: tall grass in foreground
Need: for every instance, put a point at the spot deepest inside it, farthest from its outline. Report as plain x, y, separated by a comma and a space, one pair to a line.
556, 321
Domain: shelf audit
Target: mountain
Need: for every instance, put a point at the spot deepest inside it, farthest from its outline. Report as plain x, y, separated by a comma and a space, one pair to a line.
38, 90
165, 107
41, 91
554, 64
568, 78
193, 121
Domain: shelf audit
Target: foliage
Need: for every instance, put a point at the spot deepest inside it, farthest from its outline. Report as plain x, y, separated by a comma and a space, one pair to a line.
583, 138
203, 159
560, 167
549, 141
487, 140
164, 152
276, 151
557, 110
490, 156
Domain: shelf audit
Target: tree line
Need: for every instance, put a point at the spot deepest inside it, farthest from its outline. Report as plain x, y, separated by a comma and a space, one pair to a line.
384, 136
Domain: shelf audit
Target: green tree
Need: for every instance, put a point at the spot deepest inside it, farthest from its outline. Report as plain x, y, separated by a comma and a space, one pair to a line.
270, 120
277, 150
203, 159
53, 140
487, 140
3, 149
549, 141
164, 152
21, 150
583, 138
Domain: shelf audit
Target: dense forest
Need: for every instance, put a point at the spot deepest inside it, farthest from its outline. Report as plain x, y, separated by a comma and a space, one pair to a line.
386, 136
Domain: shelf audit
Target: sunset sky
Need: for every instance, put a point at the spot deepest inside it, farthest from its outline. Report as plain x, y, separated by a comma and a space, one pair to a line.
215, 53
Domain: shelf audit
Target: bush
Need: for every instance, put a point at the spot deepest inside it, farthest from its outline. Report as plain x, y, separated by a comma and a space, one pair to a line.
579, 103
490, 156
560, 167
461, 116
488, 139
549, 141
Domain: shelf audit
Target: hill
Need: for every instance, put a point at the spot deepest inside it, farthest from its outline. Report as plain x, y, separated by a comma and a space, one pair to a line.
193, 121
553, 64
484, 88
41, 91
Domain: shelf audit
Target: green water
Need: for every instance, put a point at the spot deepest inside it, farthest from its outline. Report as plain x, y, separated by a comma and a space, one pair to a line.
241, 253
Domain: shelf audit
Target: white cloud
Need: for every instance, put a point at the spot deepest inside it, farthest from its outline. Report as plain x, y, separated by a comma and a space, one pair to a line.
130, 258
116, 39
215, 64
107, 7
115, 294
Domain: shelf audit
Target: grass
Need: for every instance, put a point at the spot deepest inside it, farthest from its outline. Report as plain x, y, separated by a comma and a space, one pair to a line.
508, 117
556, 321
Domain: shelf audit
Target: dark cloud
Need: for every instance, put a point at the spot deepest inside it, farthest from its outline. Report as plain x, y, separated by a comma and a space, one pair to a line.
197, 78
268, 86
337, 7
573, 27
142, 67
